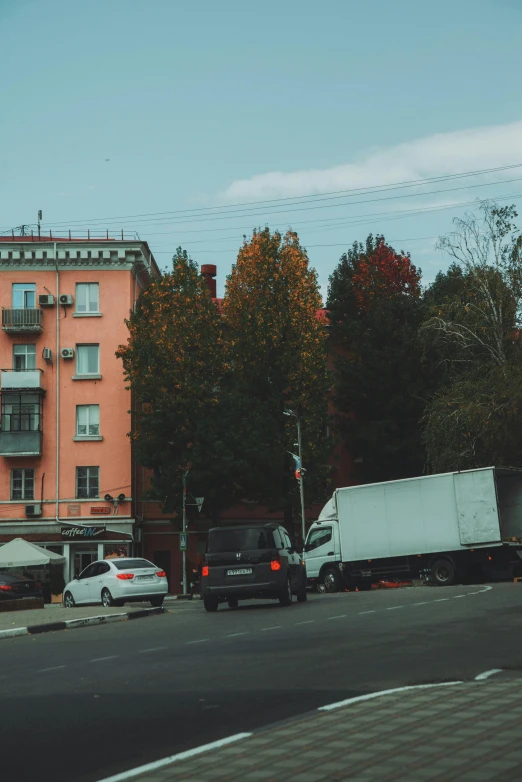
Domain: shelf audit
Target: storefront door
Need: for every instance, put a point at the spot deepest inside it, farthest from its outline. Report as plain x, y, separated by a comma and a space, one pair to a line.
83, 558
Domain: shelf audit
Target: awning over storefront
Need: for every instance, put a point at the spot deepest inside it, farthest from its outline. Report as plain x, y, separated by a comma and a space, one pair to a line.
21, 553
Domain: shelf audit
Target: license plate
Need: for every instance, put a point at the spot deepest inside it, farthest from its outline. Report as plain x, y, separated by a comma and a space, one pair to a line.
241, 571
144, 578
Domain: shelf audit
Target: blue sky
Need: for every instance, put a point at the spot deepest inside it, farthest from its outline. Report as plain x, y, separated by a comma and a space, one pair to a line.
119, 108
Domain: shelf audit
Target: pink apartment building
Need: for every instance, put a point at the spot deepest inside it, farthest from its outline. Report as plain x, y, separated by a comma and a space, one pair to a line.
66, 467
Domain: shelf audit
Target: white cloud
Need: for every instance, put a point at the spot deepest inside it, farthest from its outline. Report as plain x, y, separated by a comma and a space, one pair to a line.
432, 156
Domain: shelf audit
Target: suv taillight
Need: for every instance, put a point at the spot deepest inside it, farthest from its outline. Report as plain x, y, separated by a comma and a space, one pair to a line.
204, 570
275, 564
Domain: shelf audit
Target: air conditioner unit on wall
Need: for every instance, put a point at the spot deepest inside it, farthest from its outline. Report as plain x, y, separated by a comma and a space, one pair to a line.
66, 299
46, 300
33, 510
67, 353
47, 355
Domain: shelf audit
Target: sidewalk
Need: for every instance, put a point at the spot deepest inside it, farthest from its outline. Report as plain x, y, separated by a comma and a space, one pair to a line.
52, 617
470, 732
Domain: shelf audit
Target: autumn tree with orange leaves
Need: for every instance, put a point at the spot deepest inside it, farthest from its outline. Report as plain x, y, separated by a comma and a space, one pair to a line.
276, 347
174, 363
375, 310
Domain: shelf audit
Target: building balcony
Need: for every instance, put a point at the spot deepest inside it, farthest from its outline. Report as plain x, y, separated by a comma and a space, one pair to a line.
22, 321
26, 379
17, 443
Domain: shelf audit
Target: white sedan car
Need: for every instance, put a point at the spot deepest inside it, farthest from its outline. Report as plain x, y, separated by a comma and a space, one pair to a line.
113, 582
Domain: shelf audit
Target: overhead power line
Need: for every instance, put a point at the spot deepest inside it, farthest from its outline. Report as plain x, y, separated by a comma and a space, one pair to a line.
220, 212
365, 219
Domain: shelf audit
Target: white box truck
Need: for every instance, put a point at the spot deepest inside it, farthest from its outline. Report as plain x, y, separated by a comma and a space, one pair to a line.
450, 526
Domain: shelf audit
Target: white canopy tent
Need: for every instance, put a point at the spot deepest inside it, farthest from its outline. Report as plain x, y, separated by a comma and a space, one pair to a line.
21, 553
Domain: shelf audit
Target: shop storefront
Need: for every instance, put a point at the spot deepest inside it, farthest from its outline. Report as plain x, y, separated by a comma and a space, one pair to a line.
80, 545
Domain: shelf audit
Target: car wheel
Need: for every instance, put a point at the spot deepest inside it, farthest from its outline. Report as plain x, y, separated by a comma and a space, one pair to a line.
285, 598
210, 603
233, 602
156, 602
106, 598
68, 600
331, 580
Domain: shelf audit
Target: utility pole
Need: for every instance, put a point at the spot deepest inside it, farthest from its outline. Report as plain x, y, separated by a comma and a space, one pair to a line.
301, 471
185, 531
301, 479
199, 503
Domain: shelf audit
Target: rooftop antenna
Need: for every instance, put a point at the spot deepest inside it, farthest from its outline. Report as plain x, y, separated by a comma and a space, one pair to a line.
39, 221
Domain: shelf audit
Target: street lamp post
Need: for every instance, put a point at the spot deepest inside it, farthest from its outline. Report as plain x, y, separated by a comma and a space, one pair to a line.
301, 472
184, 552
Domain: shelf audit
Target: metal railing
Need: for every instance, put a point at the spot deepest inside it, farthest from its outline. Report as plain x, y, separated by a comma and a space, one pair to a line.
22, 319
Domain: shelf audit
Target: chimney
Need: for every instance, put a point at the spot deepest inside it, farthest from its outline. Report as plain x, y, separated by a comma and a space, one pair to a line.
209, 271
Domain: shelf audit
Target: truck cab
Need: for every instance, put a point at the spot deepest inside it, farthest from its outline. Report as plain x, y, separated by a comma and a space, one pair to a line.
322, 553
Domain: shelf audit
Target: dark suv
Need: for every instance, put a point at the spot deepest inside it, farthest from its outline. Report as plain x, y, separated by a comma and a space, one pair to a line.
258, 561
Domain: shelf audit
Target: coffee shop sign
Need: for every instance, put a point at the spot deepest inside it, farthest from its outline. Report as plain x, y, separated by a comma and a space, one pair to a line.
81, 532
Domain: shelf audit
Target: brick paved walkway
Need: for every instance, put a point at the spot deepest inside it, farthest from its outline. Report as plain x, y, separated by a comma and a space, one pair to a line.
468, 732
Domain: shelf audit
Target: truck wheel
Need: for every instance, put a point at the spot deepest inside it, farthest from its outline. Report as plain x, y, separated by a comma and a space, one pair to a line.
443, 572
331, 580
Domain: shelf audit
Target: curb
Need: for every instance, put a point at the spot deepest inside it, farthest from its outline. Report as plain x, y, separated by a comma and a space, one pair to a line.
71, 624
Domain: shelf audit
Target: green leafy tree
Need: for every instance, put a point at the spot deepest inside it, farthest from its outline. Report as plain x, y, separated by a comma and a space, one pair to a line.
276, 347
476, 422
375, 310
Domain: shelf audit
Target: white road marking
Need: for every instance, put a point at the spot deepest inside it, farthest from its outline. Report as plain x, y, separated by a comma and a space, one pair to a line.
394, 608
234, 635
275, 627
373, 611
442, 599
486, 674
54, 668
372, 695
340, 616
455, 597
100, 659
200, 641
308, 622
426, 602
134, 772
153, 649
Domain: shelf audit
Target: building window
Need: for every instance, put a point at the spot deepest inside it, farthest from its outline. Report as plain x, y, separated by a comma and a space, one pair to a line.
22, 484
87, 482
24, 295
24, 357
87, 297
21, 412
87, 359
87, 420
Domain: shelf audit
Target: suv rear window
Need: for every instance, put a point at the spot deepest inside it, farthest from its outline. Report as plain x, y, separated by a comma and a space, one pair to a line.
250, 539
131, 564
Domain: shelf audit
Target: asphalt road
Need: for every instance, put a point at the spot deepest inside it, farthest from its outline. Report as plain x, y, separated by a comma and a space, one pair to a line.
80, 705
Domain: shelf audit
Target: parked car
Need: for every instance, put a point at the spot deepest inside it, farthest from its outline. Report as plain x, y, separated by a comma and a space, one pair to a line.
257, 561
15, 585
113, 582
